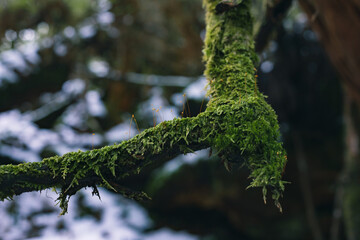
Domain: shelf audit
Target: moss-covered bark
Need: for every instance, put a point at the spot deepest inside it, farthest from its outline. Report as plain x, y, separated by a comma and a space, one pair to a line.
108, 165
250, 125
238, 123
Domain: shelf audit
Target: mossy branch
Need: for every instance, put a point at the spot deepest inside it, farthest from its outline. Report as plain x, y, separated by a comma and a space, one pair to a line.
108, 165
238, 123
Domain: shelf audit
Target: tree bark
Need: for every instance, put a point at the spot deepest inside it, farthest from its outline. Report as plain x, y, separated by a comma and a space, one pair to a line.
337, 24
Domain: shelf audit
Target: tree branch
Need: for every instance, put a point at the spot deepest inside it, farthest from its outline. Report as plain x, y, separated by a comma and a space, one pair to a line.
79, 169
237, 122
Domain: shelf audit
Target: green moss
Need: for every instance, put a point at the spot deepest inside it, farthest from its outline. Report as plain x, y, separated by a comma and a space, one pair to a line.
238, 123
247, 128
106, 166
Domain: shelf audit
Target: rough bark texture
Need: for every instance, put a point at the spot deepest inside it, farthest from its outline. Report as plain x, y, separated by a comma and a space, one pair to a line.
238, 123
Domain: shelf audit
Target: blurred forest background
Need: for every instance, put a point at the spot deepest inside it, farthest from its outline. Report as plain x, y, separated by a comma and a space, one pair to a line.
73, 72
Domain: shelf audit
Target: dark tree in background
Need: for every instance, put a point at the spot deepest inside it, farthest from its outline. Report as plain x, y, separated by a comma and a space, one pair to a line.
96, 63
338, 25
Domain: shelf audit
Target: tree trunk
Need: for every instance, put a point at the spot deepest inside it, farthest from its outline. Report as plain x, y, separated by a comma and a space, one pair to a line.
337, 24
